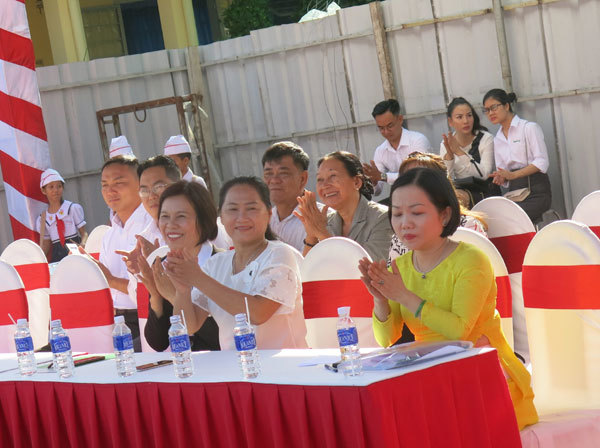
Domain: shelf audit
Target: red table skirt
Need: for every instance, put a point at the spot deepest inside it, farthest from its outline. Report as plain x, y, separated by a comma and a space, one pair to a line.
463, 403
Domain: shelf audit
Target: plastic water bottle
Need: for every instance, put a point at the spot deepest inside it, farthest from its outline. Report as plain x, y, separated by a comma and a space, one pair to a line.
24, 344
351, 364
61, 350
245, 343
180, 348
123, 343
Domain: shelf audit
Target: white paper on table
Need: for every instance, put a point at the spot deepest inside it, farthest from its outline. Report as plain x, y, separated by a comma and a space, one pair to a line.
444, 351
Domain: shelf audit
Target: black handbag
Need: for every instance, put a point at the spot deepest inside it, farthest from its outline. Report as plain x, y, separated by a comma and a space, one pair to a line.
477, 188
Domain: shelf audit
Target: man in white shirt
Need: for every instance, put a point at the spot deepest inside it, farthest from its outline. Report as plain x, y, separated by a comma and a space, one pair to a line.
178, 149
398, 144
120, 190
285, 171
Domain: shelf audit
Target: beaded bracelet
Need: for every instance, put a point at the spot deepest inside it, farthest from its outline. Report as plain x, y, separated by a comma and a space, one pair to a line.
420, 308
308, 244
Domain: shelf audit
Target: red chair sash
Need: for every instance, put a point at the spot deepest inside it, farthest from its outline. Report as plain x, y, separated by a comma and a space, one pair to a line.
562, 287
322, 298
504, 296
596, 230
34, 276
83, 309
143, 296
14, 302
513, 248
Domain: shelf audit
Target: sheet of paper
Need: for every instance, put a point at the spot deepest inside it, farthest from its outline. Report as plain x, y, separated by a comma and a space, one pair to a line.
444, 351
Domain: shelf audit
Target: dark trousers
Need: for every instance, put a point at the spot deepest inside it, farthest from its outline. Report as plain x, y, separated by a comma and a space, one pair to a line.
131, 320
540, 198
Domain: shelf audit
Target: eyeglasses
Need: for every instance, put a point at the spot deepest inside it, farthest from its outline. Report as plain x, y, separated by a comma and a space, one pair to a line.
156, 189
492, 108
389, 126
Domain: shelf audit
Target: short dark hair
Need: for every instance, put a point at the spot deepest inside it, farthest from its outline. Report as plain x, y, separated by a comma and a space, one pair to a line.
261, 188
354, 168
459, 101
202, 203
501, 96
170, 167
438, 188
184, 155
382, 107
278, 150
128, 161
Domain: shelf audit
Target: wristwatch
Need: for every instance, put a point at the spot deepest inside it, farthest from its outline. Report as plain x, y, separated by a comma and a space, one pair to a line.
384, 177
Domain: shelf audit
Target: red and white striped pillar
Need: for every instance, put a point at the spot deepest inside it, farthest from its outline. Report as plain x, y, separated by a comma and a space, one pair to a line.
24, 152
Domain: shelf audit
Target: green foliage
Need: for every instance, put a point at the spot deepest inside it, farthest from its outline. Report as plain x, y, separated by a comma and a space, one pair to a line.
243, 16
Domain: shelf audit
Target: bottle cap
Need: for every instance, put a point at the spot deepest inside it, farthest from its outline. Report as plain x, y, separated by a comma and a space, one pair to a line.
240, 317
175, 318
22, 323
55, 323
119, 319
343, 311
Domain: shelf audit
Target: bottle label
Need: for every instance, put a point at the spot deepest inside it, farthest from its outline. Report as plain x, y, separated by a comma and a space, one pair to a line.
347, 336
179, 343
60, 345
245, 342
24, 344
123, 342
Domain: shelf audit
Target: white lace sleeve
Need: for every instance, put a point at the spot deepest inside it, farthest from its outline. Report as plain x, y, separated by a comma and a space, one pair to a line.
279, 283
199, 299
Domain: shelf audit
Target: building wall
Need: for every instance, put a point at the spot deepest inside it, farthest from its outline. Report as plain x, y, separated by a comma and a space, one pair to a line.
316, 83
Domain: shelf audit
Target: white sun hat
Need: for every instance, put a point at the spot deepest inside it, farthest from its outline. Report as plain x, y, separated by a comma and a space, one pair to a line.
50, 175
119, 146
177, 144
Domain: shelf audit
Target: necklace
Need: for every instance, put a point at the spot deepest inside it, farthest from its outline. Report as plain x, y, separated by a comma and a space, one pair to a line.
439, 260
255, 254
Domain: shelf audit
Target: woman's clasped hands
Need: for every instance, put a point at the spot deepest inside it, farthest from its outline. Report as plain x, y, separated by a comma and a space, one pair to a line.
314, 220
380, 282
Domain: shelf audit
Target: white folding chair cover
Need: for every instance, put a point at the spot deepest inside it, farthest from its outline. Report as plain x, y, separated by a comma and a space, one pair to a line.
26, 252
505, 218
481, 242
335, 258
588, 210
9, 281
79, 274
94, 241
564, 344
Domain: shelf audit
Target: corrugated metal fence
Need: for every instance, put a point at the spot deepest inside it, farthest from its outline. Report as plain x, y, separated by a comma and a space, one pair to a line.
316, 83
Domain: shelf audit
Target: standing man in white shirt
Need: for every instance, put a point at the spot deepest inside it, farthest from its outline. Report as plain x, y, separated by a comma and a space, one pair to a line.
398, 144
120, 190
178, 149
285, 171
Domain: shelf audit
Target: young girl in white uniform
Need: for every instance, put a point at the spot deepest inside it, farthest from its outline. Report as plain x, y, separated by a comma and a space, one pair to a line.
63, 222
520, 154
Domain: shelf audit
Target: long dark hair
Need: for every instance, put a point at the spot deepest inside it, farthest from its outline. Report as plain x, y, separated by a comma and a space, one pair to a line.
438, 188
260, 187
201, 202
353, 168
502, 97
460, 101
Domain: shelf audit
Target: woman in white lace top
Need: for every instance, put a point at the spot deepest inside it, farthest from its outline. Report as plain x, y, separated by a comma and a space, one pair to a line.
259, 268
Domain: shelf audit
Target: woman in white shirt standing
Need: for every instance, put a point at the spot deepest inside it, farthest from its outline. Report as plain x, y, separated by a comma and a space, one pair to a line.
520, 154
260, 269
469, 150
